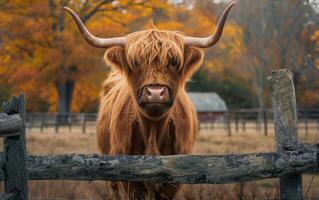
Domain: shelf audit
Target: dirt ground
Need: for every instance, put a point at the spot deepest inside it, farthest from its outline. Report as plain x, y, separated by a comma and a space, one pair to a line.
208, 142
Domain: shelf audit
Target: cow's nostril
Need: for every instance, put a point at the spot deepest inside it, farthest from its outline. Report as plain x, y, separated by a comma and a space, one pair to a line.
162, 92
148, 92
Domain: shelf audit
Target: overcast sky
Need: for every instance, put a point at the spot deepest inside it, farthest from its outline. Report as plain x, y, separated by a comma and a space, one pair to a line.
314, 3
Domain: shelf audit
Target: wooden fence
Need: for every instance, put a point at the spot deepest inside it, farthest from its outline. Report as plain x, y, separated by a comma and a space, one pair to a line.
289, 162
261, 120
231, 122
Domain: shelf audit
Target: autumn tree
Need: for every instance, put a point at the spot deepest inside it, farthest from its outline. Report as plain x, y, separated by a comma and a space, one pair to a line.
4, 91
274, 37
45, 56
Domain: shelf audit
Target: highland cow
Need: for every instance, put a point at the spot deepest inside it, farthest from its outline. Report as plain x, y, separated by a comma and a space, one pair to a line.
144, 107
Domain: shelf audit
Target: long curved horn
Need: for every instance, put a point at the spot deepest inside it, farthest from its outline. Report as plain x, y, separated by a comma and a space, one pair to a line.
212, 39
91, 39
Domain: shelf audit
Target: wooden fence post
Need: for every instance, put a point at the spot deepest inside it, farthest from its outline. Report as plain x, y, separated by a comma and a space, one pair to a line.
285, 116
228, 123
83, 123
243, 122
306, 121
42, 125
258, 120
236, 121
56, 125
70, 123
265, 122
15, 153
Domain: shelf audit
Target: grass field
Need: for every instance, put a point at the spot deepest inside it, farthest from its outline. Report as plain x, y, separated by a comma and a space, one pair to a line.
207, 142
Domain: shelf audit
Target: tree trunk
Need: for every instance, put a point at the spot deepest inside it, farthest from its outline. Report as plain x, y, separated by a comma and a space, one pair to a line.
65, 91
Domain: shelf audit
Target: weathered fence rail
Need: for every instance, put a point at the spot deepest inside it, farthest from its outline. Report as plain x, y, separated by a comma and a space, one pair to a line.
190, 169
291, 159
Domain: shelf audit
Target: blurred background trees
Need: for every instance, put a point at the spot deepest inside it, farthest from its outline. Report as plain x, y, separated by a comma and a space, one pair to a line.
43, 54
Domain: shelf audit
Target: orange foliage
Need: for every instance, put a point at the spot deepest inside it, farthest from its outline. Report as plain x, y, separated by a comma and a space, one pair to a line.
40, 51
315, 39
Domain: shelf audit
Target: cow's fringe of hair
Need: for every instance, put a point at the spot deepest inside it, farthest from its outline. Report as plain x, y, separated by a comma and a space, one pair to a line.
145, 47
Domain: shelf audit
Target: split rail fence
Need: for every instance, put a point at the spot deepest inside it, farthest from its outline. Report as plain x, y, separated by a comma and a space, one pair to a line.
291, 159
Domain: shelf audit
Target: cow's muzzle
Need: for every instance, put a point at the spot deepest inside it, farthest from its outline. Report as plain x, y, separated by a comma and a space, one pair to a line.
155, 94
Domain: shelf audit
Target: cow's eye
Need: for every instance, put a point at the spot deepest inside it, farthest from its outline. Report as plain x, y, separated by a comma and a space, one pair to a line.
172, 63
135, 64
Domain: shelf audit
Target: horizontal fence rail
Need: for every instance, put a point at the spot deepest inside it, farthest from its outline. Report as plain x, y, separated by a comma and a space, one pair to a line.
190, 169
291, 159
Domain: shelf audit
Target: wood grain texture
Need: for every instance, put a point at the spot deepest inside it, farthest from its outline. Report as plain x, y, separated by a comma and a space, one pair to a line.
10, 125
286, 133
15, 153
191, 169
2, 164
284, 110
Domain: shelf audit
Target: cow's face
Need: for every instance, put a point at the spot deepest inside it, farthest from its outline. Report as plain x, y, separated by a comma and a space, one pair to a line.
156, 66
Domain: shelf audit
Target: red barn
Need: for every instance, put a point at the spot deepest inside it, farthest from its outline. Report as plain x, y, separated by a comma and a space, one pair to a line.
209, 106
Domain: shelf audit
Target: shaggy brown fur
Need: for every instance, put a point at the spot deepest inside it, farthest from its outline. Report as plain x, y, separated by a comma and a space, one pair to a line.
149, 57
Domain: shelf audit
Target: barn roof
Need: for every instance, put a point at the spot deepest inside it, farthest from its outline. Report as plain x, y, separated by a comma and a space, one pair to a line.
207, 101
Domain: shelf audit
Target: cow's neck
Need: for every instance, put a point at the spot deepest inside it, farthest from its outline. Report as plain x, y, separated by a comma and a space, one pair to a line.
153, 132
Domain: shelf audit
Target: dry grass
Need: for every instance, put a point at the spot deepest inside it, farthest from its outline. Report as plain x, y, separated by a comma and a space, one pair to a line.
208, 142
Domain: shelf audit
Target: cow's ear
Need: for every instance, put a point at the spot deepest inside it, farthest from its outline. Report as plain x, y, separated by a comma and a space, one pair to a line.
193, 59
115, 58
